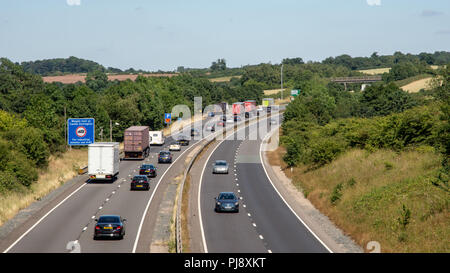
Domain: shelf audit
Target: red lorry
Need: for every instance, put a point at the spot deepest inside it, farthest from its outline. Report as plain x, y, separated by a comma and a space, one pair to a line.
136, 142
238, 108
250, 105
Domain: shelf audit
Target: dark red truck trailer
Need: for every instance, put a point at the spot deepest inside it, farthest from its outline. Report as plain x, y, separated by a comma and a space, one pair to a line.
136, 142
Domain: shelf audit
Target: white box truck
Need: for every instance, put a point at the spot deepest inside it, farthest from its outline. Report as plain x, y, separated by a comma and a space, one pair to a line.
103, 160
156, 138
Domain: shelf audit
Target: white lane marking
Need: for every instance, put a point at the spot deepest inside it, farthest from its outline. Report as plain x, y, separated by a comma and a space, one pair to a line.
244, 206
107, 199
205, 247
100, 207
153, 194
42, 218
84, 228
254, 224
261, 237
249, 215
270, 251
273, 185
93, 216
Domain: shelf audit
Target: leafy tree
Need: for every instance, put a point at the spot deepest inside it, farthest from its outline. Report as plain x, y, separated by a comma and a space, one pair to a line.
381, 100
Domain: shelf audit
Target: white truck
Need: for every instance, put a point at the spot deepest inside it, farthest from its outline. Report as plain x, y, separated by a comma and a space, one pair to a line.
156, 138
103, 160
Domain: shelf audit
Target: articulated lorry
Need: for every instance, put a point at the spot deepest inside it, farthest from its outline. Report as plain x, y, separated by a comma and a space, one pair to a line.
103, 160
136, 142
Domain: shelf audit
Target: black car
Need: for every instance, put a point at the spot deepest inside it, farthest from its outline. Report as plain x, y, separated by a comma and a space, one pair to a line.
224, 118
140, 182
165, 157
226, 201
211, 128
109, 226
184, 141
148, 170
236, 118
194, 132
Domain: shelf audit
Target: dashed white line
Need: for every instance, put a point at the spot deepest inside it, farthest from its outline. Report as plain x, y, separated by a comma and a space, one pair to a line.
261, 237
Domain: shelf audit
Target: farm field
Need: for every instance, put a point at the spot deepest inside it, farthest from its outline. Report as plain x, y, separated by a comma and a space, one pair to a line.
375, 71
416, 86
73, 78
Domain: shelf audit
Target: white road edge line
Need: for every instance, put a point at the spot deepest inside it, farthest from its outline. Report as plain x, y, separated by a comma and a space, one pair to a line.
42, 218
273, 185
154, 191
205, 247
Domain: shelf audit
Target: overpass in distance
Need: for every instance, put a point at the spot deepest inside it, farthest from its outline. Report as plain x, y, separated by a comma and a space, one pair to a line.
357, 79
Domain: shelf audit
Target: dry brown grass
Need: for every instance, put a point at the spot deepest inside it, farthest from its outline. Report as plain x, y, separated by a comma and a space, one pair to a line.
369, 208
416, 86
60, 170
224, 79
375, 71
272, 92
73, 78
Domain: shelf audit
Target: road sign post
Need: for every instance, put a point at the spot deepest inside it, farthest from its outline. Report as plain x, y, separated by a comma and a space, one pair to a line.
81, 131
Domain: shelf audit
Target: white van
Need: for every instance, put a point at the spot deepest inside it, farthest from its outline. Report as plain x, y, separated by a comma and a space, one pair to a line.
103, 160
156, 138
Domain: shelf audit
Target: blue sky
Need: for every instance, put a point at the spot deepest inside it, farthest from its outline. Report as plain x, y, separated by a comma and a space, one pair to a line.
154, 35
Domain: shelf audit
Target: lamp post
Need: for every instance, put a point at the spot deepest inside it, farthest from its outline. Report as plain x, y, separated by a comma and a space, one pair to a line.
281, 82
110, 129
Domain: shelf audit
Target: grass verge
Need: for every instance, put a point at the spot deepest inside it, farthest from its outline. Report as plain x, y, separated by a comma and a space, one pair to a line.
60, 169
382, 196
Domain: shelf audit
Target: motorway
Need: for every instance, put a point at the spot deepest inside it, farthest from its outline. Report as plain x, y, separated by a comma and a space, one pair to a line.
73, 218
264, 223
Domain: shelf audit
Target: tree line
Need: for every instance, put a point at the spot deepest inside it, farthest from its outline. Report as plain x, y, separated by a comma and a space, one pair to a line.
32, 112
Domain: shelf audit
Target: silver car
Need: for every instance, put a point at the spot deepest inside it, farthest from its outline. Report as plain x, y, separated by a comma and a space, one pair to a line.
220, 166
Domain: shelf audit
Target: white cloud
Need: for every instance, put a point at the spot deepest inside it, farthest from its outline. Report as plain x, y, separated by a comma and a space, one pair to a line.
374, 2
73, 2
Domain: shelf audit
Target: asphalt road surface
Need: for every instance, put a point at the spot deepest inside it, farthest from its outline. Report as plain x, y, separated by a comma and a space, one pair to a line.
264, 222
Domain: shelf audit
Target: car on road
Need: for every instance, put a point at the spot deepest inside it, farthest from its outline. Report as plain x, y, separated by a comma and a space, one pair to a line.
175, 146
237, 118
211, 114
184, 140
220, 166
224, 118
230, 120
272, 121
148, 170
195, 132
211, 128
109, 226
226, 201
221, 123
165, 157
140, 182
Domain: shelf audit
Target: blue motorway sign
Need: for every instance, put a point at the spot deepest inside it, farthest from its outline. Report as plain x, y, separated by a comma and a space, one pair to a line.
81, 131
167, 118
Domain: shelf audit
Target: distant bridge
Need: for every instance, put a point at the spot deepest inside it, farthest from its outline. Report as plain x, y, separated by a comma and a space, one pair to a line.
364, 80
